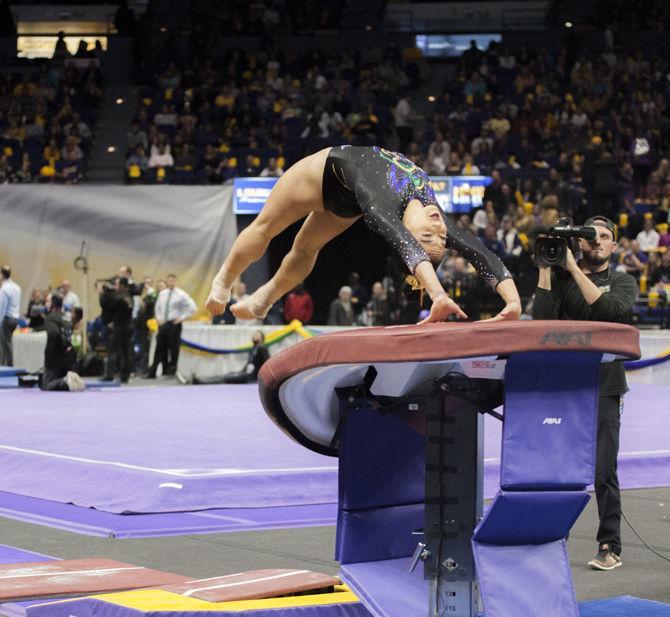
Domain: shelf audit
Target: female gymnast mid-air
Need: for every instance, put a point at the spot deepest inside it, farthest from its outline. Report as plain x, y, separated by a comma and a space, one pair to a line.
333, 189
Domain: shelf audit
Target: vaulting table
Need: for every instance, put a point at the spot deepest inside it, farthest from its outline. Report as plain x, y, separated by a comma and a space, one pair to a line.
402, 409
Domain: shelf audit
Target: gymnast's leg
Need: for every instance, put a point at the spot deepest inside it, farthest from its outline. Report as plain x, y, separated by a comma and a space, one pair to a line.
315, 233
296, 194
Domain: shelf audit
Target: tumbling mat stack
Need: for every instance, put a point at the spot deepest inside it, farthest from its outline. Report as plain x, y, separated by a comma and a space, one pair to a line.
46, 589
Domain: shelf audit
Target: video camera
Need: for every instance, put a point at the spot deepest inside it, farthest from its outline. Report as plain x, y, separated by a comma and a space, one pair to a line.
551, 249
135, 289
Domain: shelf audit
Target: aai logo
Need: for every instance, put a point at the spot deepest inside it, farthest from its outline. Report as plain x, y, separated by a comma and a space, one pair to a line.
552, 420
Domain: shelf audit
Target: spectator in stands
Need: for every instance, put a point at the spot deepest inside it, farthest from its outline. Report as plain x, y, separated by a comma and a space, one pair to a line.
491, 242
161, 157
404, 116
341, 311
299, 305
59, 355
10, 311
137, 164
249, 167
184, 159
439, 153
377, 310
469, 167
634, 260
71, 156
79, 126
648, 238
272, 169
166, 118
660, 277
136, 137
36, 309
509, 238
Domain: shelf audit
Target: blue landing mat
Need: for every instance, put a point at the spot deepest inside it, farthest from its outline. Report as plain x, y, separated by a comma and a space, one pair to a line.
623, 606
11, 371
90, 522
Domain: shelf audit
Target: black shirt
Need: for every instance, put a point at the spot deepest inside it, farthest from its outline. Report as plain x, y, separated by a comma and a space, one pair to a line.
258, 356
58, 354
565, 301
117, 308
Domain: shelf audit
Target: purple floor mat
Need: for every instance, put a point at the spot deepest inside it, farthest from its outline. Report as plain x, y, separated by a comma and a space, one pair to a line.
9, 554
156, 449
178, 449
87, 521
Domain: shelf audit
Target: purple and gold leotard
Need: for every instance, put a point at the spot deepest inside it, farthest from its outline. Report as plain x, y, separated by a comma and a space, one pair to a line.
378, 184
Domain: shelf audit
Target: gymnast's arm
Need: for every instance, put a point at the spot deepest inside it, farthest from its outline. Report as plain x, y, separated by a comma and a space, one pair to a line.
386, 222
489, 267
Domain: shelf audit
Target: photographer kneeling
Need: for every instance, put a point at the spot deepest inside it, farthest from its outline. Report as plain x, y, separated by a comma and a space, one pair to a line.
59, 357
589, 290
117, 313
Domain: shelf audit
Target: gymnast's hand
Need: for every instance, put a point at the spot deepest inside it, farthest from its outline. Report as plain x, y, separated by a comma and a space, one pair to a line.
443, 306
511, 312
218, 298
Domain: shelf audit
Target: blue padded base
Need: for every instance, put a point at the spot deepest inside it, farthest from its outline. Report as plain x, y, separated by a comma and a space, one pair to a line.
515, 580
379, 534
530, 517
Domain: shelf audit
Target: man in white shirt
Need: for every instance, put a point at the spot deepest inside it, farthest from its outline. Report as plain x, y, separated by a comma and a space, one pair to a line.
173, 306
648, 238
10, 301
272, 169
70, 300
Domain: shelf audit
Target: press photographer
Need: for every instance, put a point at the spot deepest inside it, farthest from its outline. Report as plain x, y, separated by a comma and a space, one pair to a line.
59, 356
117, 314
589, 290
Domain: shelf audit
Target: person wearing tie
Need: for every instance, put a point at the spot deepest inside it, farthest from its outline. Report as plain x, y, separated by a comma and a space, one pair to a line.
10, 301
173, 306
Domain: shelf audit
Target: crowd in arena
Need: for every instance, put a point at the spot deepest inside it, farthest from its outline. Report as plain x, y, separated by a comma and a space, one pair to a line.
48, 114
571, 132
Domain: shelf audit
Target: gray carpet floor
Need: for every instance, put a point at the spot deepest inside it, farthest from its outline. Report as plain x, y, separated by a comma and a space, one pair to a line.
643, 574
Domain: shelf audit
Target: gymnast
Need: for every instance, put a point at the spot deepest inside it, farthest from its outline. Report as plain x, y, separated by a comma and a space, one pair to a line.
335, 187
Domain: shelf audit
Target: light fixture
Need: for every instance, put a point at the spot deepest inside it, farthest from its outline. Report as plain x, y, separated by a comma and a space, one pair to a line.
431, 98
120, 101
111, 149
163, 29
568, 24
368, 27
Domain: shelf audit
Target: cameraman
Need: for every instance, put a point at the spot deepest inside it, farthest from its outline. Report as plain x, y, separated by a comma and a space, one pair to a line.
592, 291
117, 313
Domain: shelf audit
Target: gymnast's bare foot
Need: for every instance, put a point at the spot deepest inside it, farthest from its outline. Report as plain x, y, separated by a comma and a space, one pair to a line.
219, 296
255, 306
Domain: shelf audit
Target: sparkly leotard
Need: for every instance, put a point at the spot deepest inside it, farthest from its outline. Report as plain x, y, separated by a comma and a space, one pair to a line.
378, 184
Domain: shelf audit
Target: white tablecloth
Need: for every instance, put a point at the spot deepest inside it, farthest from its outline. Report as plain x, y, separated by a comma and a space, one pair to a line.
28, 350
227, 337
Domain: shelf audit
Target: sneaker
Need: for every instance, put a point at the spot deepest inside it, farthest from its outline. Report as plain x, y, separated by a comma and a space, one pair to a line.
74, 382
182, 379
605, 559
